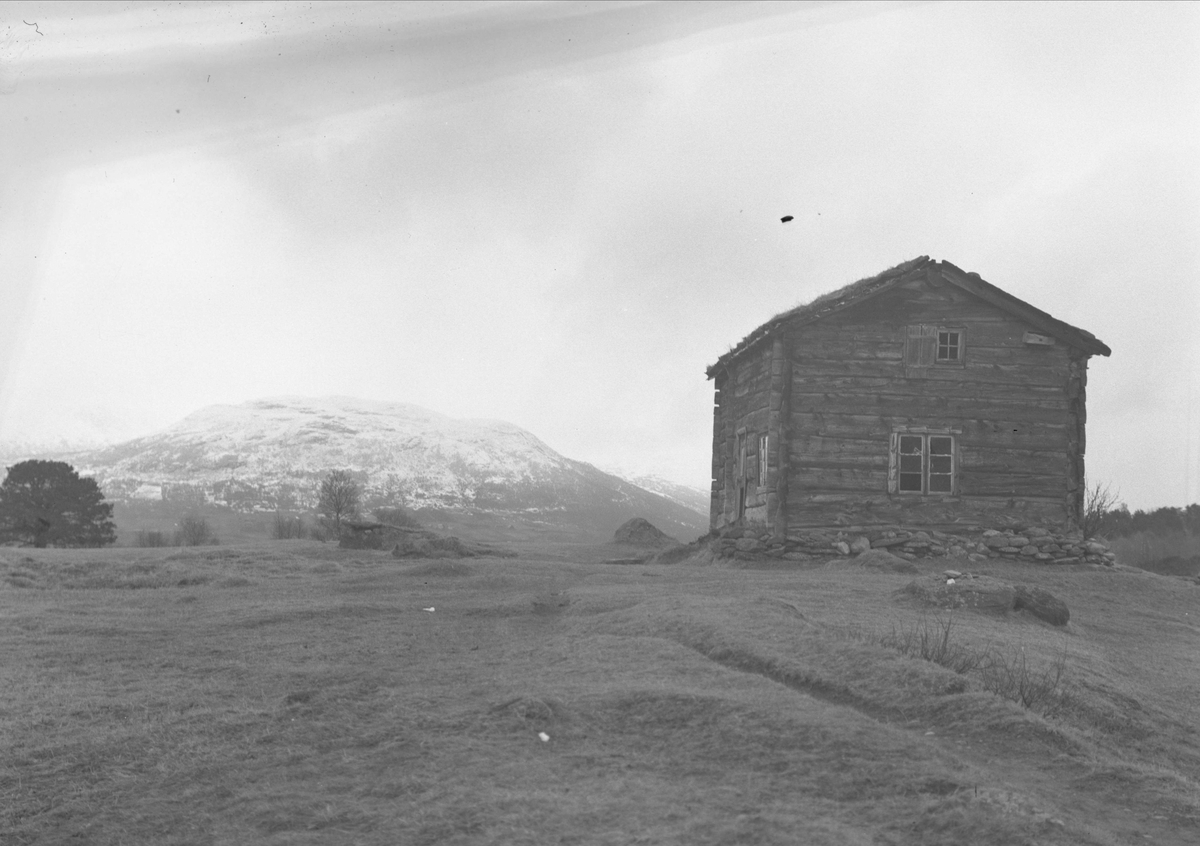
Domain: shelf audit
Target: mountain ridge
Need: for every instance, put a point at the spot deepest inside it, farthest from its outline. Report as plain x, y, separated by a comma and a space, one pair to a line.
270, 455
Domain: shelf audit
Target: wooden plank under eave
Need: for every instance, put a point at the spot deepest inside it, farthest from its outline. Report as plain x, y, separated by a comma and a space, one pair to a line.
1037, 340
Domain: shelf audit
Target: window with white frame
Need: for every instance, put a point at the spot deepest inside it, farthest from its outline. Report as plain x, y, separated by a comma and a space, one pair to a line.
923, 463
762, 459
949, 346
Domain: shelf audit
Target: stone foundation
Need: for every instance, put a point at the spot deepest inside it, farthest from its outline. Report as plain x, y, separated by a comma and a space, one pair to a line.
1034, 544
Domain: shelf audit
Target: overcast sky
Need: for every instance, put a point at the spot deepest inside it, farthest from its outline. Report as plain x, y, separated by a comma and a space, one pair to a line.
559, 214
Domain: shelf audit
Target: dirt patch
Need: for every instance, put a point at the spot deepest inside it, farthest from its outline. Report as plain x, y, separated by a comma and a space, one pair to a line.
879, 559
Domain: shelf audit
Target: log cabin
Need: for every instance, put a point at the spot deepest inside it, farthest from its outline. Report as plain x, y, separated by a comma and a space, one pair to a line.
920, 397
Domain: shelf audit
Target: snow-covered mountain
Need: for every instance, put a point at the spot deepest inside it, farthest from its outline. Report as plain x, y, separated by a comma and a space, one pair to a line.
272, 454
689, 496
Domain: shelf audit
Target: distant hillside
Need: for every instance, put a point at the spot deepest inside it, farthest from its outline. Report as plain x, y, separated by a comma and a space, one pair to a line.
697, 499
271, 454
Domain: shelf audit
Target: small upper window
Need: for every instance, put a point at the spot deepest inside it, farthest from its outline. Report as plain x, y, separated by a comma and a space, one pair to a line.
949, 345
928, 346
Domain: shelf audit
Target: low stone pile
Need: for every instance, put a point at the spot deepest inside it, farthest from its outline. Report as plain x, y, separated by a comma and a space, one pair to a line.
1034, 544
954, 589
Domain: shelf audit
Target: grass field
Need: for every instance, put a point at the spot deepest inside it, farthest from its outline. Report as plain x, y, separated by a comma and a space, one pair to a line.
291, 692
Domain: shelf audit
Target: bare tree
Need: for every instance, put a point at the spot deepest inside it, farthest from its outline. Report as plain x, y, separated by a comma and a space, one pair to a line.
194, 531
1098, 500
340, 496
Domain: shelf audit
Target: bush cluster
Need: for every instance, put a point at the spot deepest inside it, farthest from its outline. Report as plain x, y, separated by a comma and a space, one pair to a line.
192, 531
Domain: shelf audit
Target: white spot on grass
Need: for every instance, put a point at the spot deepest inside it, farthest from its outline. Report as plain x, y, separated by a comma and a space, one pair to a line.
430, 610
543, 737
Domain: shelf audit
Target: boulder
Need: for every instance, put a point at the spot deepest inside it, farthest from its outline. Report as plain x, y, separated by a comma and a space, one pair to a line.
1041, 604
881, 559
641, 532
749, 545
860, 545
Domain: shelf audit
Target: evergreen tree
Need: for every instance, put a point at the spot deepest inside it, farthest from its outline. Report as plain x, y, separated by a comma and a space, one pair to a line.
46, 503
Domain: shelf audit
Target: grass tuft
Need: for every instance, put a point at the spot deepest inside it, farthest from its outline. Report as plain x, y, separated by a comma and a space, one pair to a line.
933, 641
1005, 673
1011, 675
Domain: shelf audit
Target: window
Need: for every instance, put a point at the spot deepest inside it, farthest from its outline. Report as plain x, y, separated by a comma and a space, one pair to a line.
927, 345
762, 460
912, 464
923, 463
949, 345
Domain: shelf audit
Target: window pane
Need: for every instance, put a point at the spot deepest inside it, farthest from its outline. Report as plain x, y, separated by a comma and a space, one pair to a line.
910, 482
939, 484
941, 446
948, 346
939, 464
910, 464
910, 445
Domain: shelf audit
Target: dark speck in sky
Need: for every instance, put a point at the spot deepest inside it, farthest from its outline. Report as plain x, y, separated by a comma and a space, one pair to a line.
785, 218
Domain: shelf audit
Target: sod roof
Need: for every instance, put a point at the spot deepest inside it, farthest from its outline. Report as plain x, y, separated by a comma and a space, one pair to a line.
856, 292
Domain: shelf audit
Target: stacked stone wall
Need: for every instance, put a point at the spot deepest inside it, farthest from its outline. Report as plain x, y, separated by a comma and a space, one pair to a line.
1034, 544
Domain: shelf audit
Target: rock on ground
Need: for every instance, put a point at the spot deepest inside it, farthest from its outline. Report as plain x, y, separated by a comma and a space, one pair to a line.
1042, 604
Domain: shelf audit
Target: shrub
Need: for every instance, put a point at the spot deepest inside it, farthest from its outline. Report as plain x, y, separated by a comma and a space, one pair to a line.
400, 517
1009, 674
1098, 501
287, 528
322, 529
931, 641
194, 531
151, 539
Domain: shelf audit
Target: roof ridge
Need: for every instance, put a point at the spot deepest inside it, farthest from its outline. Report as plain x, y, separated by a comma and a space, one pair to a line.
856, 292
824, 304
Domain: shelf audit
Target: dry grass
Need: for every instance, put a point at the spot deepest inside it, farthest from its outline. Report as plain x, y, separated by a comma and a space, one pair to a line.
294, 693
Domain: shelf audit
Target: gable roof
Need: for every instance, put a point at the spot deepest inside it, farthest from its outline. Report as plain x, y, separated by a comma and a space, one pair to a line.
856, 292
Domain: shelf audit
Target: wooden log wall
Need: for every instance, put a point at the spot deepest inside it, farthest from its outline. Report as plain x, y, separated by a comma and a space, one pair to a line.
779, 459
717, 495
744, 408
1011, 404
